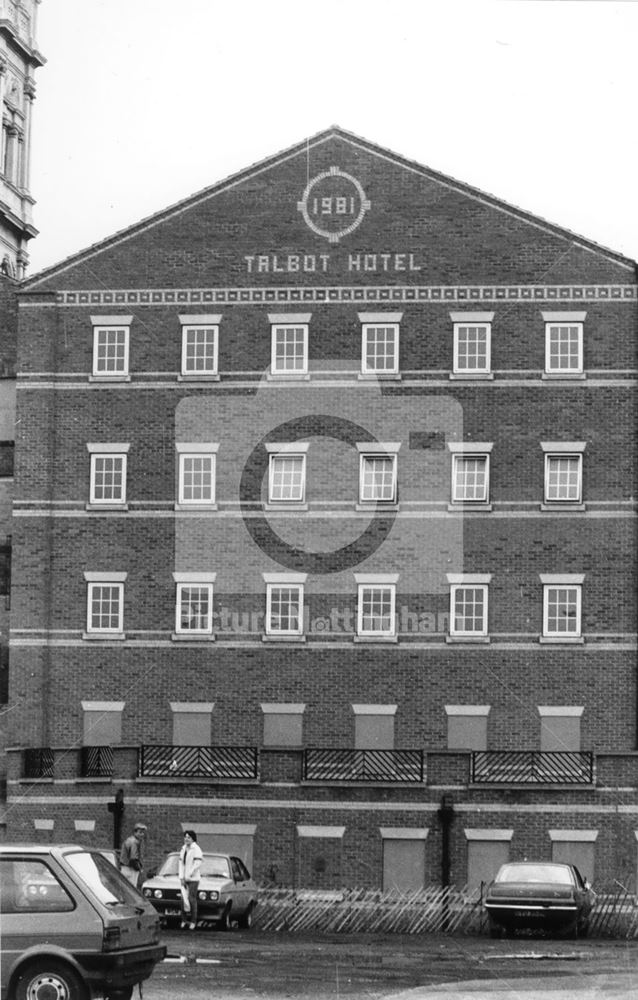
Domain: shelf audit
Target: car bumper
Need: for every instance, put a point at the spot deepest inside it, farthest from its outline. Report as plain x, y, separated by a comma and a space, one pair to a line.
520, 915
205, 908
116, 969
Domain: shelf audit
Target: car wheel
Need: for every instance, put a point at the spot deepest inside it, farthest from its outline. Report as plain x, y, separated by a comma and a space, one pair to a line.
496, 931
225, 923
49, 979
246, 919
123, 994
583, 928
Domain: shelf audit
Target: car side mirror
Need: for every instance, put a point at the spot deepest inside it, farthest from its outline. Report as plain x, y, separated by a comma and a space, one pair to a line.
151, 873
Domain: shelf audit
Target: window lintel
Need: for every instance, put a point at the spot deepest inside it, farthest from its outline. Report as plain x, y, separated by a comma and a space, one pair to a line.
563, 446
108, 447
194, 577
471, 317
111, 320
200, 319
562, 579
470, 447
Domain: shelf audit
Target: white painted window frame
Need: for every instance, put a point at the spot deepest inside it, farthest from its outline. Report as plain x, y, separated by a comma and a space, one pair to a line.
111, 324
115, 450
198, 323
376, 582
569, 581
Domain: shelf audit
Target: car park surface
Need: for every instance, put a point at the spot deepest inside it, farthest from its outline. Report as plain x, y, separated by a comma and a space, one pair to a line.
72, 926
226, 891
539, 895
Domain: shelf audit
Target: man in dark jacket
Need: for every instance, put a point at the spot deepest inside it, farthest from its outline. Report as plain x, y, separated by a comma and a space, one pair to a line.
131, 854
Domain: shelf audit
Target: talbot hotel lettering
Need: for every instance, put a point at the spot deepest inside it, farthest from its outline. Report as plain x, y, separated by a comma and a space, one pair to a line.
322, 263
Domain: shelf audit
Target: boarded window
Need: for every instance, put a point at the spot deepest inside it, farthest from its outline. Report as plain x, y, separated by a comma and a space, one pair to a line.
191, 729
102, 727
7, 449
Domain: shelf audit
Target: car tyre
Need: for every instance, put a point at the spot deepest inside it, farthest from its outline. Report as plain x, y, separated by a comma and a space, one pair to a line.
246, 919
496, 931
124, 994
225, 923
62, 981
583, 928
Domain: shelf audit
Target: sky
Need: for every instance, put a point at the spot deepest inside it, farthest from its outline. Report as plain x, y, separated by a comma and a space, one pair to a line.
144, 102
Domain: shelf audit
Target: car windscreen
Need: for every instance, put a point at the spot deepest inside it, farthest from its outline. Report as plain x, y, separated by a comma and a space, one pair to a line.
103, 878
560, 874
213, 866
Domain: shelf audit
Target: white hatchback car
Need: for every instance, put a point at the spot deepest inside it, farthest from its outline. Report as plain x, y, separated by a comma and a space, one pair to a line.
226, 894
72, 926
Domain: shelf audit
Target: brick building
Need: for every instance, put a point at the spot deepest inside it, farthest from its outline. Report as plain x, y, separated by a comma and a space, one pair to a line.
324, 534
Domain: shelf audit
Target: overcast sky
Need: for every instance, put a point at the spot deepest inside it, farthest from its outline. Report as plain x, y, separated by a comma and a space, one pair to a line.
144, 102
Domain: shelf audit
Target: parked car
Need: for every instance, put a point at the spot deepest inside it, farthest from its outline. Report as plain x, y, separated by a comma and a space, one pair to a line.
539, 895
72, 926
226, 893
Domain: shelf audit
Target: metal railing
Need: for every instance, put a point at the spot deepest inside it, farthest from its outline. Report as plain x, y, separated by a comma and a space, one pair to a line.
322, 764
532, 767
38, 762
97, 762
196, 762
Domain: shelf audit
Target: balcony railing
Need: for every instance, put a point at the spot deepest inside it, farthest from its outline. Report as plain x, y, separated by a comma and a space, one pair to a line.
532, 767
363, 765
197, 762
97, 762
38, 762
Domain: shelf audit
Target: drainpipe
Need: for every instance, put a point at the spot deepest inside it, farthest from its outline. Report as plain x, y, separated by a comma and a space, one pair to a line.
117, 809
446, 817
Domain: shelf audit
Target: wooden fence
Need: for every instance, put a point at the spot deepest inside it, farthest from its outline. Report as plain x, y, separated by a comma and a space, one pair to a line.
423, 911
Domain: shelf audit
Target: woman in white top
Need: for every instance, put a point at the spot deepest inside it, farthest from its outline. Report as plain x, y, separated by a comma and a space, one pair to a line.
190, 860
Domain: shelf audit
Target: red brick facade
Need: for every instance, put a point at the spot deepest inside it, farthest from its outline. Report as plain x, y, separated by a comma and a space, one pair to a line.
382, 241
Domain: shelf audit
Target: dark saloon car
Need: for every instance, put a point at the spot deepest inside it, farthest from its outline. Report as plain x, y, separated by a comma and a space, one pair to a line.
527, 895
72, 926
227, 893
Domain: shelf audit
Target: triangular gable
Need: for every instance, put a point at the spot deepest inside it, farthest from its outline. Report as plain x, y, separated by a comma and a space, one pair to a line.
193, 221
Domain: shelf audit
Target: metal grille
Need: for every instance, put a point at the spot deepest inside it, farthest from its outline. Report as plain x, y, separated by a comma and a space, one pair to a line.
363, 765
97, 762
38, 762
533, 767
197, 762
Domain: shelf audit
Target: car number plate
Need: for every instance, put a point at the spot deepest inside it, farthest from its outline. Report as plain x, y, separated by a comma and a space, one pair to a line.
171, 911
525, 913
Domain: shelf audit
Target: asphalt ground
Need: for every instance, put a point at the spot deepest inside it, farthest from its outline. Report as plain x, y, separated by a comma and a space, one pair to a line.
254, 964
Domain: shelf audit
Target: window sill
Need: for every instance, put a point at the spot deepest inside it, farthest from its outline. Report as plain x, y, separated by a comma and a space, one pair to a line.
106, 506
379, 376
376, 638
562, 640
110, 378
198, 377
452, 639
288, 376
198, 637
562, 376
104, 636
270, 637
196, 506
376, 506
562, 506
293, 505
460, 507
471, 376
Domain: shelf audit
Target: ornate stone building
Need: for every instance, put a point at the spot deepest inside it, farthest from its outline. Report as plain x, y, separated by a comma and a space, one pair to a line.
19, 58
